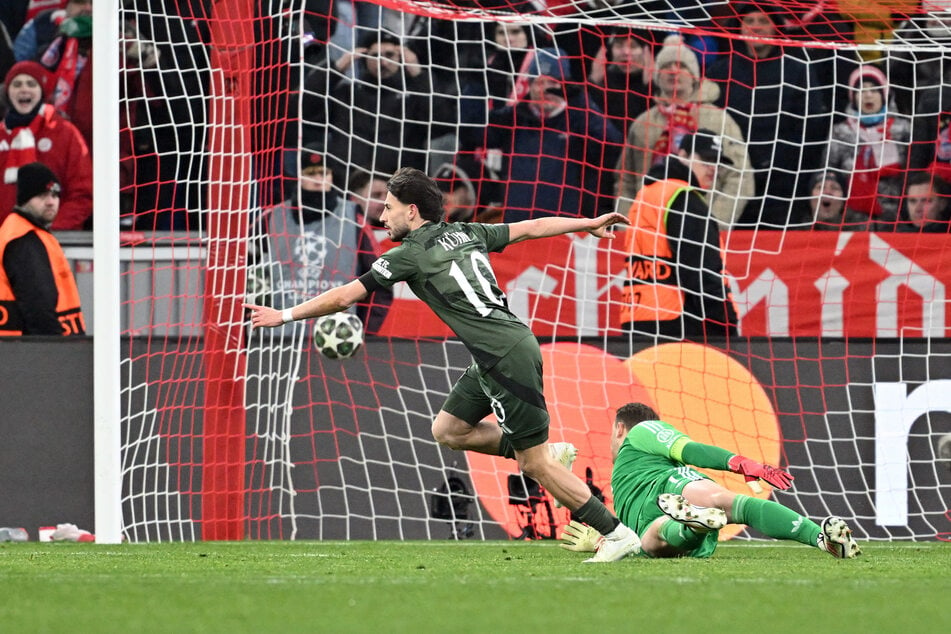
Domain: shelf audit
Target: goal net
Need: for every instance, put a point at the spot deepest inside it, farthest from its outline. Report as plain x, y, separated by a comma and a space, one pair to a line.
827, 210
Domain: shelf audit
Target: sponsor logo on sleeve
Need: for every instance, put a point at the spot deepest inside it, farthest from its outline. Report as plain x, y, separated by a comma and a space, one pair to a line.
382, 267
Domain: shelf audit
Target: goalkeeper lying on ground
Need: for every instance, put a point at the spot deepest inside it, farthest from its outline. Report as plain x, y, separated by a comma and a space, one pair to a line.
678, 511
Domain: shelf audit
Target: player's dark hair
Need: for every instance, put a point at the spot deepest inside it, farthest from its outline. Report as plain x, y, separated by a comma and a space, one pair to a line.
634, 413
413, 187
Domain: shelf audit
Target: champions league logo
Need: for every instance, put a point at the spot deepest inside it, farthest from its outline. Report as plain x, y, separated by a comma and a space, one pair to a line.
310, 253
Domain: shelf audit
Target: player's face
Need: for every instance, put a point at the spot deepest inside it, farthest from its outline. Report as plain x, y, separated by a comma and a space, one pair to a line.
395, 218
24, 93
78, 7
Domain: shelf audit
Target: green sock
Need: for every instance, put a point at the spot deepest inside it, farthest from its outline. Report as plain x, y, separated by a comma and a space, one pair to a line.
680, 536
774, 520
506, 450
595, 514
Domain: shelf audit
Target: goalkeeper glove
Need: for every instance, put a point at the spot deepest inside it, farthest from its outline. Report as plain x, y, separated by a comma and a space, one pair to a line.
580, 538
754, 471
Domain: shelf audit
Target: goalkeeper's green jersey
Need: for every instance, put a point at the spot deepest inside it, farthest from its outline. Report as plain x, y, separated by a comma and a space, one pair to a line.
648, 463
447, 266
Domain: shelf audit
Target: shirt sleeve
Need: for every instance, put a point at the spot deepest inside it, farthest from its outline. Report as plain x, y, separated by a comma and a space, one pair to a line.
495, 236
658, 438
396, 265
28, 268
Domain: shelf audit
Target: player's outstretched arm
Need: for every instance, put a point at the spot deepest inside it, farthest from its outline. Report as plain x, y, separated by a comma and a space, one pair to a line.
547, 227
332, 301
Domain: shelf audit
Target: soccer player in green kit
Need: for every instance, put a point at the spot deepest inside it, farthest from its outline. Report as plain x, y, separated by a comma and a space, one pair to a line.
678, 511
447, 266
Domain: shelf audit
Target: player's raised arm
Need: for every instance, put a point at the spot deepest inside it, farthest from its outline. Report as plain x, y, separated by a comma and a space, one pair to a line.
553, 226
332, 301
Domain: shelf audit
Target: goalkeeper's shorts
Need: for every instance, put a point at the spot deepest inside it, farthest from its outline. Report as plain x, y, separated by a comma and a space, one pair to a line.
644, 510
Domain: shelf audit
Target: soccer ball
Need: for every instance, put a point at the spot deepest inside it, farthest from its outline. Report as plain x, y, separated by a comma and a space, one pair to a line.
338, 335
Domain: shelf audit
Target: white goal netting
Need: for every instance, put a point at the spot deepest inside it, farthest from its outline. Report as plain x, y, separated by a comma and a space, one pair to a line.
830, 218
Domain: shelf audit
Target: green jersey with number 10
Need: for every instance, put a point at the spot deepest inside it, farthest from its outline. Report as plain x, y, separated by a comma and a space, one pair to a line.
447, 266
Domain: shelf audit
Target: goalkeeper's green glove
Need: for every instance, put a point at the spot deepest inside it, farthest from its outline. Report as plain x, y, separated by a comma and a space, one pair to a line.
580, 538
755, 471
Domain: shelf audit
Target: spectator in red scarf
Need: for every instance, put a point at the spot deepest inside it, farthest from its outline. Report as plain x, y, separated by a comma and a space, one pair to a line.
68, 58
870, 147
33, 131
683, 103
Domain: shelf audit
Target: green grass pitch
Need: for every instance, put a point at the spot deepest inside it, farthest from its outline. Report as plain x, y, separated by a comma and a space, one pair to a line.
485, 587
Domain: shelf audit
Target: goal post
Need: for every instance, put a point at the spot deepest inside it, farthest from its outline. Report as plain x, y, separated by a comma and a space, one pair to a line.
227, 433
107, 457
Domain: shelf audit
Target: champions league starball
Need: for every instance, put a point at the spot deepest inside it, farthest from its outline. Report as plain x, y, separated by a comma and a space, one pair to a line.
338, 335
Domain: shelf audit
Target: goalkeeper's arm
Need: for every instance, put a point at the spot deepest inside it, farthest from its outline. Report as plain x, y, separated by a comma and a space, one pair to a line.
711, 457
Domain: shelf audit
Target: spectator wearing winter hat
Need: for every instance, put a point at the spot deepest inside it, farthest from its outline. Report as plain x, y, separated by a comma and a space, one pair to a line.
554, 142
312, 241
684, 103
38, 293
31, 131
871, 145
768, 93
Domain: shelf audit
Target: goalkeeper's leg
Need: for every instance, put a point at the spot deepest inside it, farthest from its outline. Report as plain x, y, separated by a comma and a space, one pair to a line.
768, 517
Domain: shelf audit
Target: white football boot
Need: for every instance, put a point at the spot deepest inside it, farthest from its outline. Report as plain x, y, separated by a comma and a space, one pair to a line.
836, 539
616, 545
701, 519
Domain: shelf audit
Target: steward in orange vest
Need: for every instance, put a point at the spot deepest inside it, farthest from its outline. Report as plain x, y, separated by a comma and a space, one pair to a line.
38, 294
676, 287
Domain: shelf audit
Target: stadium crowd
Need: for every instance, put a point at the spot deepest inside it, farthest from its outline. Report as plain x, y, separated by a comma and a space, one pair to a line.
536, 119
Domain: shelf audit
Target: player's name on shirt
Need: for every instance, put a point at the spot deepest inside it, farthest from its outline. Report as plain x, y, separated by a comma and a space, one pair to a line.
453, 239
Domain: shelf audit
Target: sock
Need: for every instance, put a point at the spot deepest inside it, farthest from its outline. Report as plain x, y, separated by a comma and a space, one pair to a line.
680, 536
506, 450
595, 514
774, 520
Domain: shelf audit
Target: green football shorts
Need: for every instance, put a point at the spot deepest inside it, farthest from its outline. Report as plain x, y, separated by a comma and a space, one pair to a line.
513, 390
674, 482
